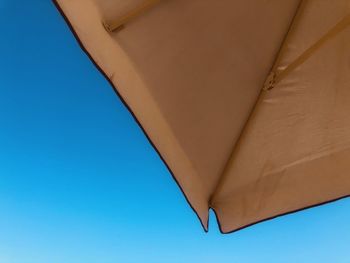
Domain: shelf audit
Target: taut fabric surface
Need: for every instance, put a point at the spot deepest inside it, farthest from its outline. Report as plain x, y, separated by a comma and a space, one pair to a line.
192, 74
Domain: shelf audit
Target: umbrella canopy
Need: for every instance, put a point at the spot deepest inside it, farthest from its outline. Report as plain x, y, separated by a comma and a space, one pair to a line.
247, 102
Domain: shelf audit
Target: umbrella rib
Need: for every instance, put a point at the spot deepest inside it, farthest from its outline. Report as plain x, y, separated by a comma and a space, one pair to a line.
139, 10
228, 164
270, 80
277, 75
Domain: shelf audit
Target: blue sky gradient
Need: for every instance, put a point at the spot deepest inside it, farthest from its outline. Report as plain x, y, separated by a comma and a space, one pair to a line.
79, 181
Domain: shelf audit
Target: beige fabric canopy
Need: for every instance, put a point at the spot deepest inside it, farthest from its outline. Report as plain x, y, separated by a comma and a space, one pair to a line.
247, 101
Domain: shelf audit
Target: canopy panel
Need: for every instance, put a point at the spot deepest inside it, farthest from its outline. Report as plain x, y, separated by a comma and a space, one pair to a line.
295, 151
191, 73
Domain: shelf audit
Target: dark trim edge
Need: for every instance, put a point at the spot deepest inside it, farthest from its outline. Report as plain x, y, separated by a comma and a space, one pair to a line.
70, 26
276, 216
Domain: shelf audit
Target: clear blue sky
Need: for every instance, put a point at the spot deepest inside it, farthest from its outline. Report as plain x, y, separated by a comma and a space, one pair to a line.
80, 183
